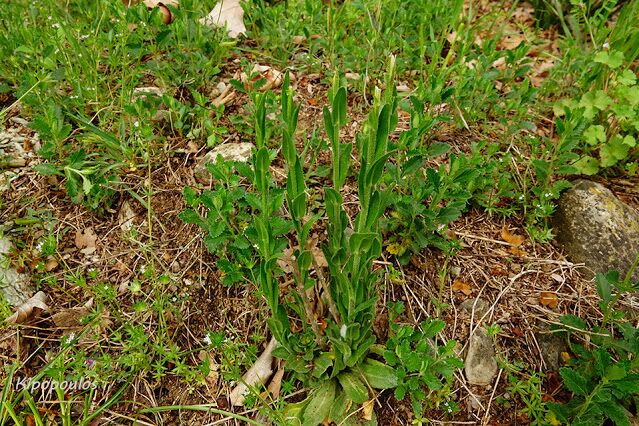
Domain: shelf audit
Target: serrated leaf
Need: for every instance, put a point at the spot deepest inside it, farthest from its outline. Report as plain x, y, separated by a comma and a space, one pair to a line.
430, 329
627, 78
47, 169
378, 375
587, 165
616, 413
594, 134
190, 216
574, 322
574, 381
613, 59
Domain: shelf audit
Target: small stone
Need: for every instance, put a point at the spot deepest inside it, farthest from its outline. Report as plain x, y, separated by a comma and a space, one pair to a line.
480, 305
551, 345
228, 151
480, 365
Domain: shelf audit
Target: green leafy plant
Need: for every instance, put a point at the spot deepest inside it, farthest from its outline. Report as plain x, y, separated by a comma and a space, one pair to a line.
604, 376
425, 370
334, 361
525, 387
610, 113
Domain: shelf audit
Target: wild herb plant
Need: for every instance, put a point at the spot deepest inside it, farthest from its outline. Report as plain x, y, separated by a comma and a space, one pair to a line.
525, 392
334, 360
425, 370
609, 109
603, 376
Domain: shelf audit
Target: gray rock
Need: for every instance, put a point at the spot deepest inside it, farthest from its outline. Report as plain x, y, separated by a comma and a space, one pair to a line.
229, 151
15, 287
480, 365
597, 229
479, 305
550, 345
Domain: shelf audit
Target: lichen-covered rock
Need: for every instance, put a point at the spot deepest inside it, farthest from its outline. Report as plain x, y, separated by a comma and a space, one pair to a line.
229, 151
595, 228
479, 305
15, 287
480, 364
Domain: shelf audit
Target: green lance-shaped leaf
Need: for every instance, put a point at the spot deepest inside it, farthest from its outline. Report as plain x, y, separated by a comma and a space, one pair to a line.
319, 404
343, 163
262, 163
353, 386
339, 107
328, 125
378, 375
381, 136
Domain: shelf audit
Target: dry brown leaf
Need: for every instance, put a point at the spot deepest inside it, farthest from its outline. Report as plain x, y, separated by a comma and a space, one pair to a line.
51, 264
318, 255
71, 317
125, 217
276, 383
167, 16
549, 299
259, 373
86, 238
30, 309
367, 410
229, 14
462, 286
298, 39
274, 78
512, 239
517, 252
285, 262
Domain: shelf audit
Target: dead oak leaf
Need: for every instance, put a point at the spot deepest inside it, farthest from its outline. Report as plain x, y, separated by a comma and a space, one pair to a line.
85, 240
549, 299
512, 239
462, 286
229, 14
30, 309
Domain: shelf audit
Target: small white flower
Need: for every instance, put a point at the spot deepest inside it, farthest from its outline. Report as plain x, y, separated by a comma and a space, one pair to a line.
56, 25
69, 338
606, 45
142, 269
207, 340
49, 18
39, 246
521, 197
84, 36
548, 194
342, 331
136, 124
